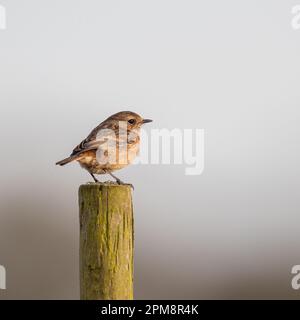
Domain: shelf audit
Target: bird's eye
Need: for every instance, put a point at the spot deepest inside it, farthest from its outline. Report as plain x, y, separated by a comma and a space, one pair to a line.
131, 121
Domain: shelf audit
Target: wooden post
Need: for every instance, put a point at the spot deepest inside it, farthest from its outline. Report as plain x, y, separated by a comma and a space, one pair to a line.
106, 242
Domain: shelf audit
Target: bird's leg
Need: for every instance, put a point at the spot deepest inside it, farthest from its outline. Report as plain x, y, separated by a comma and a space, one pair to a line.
118, 180
95, 179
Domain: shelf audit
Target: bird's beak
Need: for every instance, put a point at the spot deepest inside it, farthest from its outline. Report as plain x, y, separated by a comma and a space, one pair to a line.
147, 121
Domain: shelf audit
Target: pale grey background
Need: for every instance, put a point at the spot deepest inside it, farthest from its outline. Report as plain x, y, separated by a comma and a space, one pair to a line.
230, 67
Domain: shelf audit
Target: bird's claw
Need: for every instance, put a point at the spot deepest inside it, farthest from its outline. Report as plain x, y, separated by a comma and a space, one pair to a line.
131, 186
120, 182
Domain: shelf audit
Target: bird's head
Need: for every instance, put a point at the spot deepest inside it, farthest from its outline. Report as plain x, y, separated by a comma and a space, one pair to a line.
131, 119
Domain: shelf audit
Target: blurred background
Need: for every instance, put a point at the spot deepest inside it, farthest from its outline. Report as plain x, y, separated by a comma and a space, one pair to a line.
229, 67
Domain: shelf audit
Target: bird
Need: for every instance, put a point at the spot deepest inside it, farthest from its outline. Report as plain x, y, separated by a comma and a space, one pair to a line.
111, 146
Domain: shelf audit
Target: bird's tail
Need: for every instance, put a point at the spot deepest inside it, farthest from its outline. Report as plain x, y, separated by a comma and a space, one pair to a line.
65, 161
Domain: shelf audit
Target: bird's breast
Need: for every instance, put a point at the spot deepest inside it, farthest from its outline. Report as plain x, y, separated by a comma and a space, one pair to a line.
109, 157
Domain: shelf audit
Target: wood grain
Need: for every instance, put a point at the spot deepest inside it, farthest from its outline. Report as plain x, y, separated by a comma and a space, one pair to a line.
106, 242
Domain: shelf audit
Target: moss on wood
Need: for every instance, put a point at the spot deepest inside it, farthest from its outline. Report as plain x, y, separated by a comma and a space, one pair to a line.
106, 242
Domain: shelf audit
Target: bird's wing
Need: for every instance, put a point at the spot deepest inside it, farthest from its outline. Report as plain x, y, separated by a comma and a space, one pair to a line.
94, 140
89, 143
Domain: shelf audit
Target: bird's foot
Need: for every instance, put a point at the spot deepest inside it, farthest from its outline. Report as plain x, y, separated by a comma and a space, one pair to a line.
120, 182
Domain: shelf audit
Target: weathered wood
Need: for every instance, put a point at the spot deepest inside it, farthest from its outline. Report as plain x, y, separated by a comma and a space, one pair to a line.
106, 242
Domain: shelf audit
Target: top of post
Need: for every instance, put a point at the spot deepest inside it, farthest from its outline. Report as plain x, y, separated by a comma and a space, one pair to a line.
105, 185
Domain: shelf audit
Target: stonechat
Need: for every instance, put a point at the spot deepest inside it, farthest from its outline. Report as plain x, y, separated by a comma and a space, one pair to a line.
111, 146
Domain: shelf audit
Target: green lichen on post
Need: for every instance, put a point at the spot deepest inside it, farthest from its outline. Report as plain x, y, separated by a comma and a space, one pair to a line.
106, 242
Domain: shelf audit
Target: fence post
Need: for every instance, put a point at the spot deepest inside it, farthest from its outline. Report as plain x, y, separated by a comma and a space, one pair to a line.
106, 242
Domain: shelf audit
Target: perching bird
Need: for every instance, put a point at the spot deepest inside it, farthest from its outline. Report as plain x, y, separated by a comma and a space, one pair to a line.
111, 146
